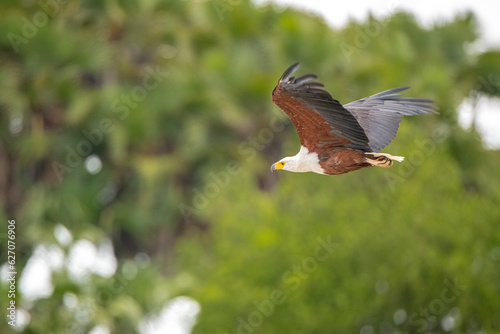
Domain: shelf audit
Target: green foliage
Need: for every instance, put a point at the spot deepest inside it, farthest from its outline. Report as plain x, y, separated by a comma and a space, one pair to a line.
412, 238
173, 99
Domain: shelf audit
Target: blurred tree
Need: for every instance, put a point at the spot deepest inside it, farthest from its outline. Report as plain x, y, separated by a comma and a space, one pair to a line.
150, 124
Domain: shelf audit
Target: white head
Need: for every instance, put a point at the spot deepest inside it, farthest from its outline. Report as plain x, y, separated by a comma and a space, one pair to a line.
288, 163
304, 161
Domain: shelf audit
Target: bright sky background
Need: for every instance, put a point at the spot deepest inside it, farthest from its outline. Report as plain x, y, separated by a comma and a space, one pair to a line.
338, 13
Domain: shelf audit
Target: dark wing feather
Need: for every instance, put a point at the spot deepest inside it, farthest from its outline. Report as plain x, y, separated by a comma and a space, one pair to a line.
320, 120
379, 115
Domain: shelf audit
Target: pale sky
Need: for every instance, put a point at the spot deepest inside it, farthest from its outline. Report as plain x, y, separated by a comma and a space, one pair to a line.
337, 13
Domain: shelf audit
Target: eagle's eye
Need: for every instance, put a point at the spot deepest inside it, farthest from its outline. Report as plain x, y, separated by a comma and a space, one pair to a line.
282, 163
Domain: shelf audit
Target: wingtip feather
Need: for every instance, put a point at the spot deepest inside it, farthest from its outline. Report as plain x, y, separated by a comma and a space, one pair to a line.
289, 71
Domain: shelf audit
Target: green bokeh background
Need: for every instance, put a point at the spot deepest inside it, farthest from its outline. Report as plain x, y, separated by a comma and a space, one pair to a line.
173, 99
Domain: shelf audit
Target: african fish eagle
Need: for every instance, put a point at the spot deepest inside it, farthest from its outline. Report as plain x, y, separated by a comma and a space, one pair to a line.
335, 138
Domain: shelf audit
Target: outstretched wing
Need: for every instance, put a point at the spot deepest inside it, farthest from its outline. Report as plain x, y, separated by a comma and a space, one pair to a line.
379, 115
320, 120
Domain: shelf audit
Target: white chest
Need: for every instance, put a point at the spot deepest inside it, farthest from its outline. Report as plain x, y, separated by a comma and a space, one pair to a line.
308, 162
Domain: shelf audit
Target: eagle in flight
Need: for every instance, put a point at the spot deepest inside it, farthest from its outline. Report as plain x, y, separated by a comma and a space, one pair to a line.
335, 138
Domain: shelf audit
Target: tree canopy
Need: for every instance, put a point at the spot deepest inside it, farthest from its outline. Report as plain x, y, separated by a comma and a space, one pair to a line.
148, 126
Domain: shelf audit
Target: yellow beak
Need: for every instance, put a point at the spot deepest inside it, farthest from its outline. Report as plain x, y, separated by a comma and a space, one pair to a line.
278, 165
